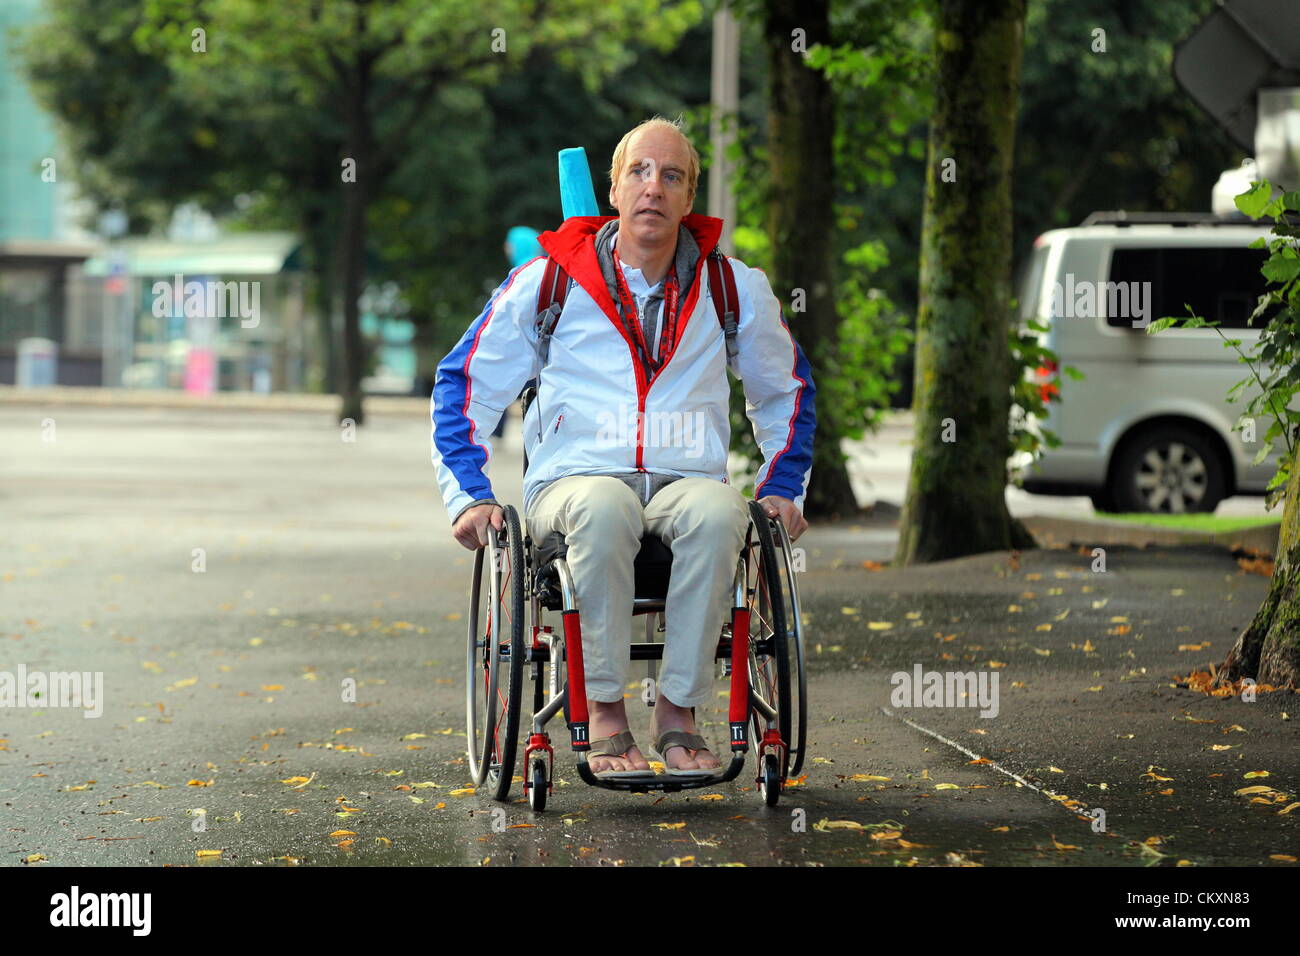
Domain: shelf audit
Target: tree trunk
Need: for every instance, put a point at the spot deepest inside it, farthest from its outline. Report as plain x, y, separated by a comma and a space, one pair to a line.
1269, 649
956, 502
356, 198
801, 130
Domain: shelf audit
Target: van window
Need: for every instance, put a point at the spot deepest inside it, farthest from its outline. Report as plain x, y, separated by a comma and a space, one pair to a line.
1220, 284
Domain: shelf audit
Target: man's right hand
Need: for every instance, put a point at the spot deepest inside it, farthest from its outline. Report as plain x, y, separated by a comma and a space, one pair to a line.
471, 527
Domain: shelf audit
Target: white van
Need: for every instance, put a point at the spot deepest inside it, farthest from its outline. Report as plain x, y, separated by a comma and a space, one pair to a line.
1149, 427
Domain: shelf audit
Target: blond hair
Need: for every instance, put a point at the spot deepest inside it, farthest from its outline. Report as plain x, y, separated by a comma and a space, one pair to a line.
657, 122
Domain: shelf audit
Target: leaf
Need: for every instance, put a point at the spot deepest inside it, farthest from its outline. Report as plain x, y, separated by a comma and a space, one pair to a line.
1245, 791
1253, 200
1062, 846
296, 781
946, 786
207, 854
342, 833
824, 824
1256, 773
879, 625
669, 826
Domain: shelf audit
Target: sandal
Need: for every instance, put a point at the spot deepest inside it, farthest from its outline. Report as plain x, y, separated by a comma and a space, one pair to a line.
615, 745
679, 738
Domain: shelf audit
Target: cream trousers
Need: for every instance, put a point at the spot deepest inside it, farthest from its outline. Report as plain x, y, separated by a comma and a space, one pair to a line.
702, 520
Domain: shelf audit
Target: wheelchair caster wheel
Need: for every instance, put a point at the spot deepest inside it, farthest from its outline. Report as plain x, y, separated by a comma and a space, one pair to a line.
769, 781
537, 786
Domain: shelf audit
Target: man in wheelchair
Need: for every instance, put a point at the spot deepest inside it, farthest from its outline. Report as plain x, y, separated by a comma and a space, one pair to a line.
629, 432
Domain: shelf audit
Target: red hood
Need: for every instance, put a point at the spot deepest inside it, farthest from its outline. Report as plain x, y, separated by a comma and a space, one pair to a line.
573, 246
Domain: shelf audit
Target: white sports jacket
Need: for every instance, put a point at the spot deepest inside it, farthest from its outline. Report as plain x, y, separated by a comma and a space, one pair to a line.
595, 413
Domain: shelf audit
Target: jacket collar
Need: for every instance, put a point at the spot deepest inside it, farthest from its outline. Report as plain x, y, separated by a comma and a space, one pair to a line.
573, 246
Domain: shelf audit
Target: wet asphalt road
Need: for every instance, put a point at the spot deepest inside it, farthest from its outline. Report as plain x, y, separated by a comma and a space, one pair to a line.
327, 560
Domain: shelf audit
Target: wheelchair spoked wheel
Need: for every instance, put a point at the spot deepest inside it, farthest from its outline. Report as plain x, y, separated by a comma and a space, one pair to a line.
769, 657
495, 658
785, 565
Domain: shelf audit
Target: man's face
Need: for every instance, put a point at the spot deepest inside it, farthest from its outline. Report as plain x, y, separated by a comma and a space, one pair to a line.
652, 193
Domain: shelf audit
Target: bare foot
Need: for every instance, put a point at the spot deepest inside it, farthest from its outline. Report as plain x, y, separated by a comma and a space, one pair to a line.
608, 719
668, 716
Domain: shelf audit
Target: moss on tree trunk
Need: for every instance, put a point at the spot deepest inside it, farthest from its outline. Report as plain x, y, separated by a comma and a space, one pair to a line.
956, 491
1268, 650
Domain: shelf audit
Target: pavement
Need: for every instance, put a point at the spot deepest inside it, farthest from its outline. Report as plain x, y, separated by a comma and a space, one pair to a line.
230, 572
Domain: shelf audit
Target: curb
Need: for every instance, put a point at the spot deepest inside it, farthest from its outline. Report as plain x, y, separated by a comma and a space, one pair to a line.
1062, 532
77, 396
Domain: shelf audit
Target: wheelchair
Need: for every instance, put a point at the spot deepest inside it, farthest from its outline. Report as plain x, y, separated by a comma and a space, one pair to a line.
760, 650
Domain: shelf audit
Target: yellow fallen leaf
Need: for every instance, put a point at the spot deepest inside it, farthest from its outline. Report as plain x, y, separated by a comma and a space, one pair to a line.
34, 858
1001, 829
1257, 773
946, 786
295, 781
1244, 791
887, 835
1285, 857
464, 791
824, 825
201, 783
1288, 809
413, 736
1062, 846
867, 776
669, 826
207, 854
272, 687
879, 625
342, 833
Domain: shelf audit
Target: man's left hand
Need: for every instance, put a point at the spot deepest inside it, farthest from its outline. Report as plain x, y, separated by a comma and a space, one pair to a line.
791, 516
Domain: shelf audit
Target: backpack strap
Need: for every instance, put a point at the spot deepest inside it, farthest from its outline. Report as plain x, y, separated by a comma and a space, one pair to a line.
550, 303
726, 301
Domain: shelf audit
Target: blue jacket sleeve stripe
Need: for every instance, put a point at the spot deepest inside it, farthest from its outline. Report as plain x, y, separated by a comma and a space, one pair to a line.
791, 465
453, 429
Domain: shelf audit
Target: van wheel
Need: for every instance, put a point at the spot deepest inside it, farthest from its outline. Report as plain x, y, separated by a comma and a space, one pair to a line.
1171, 470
